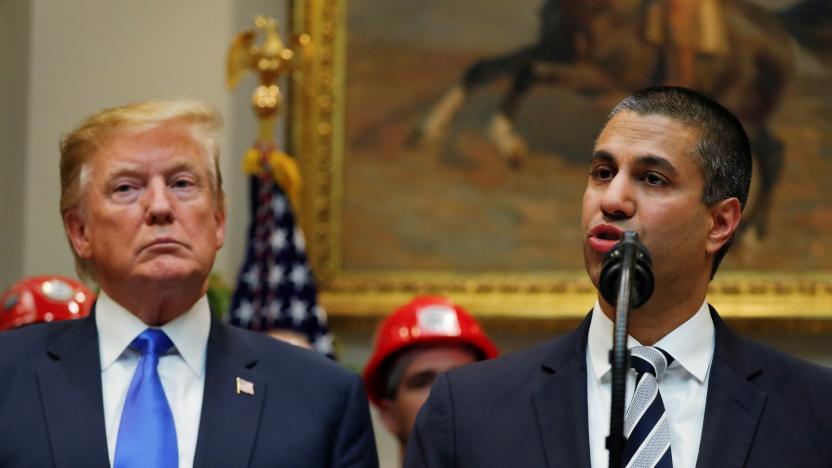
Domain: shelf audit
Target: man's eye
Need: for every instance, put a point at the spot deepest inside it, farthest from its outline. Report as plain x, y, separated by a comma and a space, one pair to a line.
602, 173
123, 188
420, 380
651, 178
182, 183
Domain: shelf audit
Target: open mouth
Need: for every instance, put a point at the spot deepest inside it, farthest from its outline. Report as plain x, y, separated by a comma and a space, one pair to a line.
603, 237
608, 236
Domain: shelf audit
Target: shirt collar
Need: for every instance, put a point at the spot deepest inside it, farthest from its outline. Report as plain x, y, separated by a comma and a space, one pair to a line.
691, 344
117, 328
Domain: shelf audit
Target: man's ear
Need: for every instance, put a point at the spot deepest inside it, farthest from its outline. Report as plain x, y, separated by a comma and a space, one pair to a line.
725, 217
76, 229
219, 219
390, 416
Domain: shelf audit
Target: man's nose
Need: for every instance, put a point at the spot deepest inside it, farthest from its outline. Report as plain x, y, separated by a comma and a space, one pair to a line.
618, 200
159, 203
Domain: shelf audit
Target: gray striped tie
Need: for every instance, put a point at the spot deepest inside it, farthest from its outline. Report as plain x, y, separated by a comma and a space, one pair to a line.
645, 424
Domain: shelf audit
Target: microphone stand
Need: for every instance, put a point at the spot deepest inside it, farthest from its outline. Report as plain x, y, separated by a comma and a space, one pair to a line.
630, 259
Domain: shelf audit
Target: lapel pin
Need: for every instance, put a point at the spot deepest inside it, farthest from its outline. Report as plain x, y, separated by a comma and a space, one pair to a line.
244, 386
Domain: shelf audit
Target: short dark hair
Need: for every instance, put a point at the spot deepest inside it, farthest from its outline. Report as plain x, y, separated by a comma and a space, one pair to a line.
722, 152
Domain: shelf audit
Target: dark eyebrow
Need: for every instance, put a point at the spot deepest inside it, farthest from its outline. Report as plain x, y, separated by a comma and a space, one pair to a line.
657, 162
602, 156
645, 161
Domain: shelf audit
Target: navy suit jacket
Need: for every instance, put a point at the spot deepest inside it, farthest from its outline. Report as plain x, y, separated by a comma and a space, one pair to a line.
306, 411
529, 409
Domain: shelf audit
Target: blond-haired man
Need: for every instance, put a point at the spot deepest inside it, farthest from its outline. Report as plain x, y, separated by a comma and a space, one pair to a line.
150, 378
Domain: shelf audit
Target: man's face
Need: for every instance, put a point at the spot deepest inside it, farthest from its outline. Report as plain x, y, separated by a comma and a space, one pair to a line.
427, 363
148, 213
644, 179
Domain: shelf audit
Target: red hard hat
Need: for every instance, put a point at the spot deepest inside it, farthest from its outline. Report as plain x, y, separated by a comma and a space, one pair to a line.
423, 320
44, 299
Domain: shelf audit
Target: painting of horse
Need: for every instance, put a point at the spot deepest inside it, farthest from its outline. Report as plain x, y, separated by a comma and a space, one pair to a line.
475, 120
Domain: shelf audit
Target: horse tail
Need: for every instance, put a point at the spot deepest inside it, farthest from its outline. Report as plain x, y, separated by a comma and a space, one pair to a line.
810, 22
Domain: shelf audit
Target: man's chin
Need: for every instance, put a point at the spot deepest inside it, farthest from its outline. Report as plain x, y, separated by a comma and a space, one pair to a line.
169, 273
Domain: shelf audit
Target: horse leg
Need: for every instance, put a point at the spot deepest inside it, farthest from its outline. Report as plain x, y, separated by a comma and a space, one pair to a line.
768, 150
510, 144
482, 72
433, 128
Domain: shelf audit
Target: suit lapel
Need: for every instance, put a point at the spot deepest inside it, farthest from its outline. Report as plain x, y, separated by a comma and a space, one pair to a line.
229, 421
734, 405
70, 389
560, 398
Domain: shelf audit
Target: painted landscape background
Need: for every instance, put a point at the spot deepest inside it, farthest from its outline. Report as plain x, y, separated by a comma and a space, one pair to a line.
456, 205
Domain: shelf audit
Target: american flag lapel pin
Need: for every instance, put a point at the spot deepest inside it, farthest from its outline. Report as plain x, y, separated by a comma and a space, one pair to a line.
244, 386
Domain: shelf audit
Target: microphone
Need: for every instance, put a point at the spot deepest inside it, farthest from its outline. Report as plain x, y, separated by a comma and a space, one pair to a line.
641, 281
626, 282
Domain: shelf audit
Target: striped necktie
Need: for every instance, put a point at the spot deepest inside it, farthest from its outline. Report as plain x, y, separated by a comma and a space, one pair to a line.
146, 433
645, 425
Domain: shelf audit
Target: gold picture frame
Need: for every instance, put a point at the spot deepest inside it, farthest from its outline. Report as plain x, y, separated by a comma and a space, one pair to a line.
788, 300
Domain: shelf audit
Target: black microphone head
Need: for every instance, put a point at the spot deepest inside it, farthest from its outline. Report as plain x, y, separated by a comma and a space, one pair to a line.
641, 284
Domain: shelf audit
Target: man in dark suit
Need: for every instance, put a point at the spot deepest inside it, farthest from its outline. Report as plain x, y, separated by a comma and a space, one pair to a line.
150, 379
675, 167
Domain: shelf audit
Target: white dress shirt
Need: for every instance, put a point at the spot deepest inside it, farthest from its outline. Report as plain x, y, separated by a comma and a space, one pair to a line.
684, 386
181, 369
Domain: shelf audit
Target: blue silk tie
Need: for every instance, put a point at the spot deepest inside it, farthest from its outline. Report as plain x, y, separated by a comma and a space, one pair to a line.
146, 434
645, 424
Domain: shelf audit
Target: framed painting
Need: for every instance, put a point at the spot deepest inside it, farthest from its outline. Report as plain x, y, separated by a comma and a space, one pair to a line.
444, 146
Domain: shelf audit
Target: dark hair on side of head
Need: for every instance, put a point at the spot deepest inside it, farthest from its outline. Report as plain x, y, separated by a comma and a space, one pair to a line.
722, 152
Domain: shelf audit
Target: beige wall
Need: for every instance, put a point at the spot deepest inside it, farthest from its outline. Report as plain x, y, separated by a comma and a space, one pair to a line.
98, 53
14, 59
63, 60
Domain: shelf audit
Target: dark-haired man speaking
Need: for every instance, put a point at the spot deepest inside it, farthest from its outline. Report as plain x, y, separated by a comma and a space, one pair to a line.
675, 167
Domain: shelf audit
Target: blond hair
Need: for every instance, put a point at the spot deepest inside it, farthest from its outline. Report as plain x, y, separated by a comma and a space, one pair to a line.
82, 144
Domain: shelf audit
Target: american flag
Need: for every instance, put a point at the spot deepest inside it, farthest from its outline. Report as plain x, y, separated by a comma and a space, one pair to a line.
275, 286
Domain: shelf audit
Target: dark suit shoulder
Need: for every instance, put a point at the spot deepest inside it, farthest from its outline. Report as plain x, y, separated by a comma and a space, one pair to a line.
35, 333
790, 365
507, 374
489, 414
311, 404
278, 360
796, 391
779, 399
752, 358
23, 345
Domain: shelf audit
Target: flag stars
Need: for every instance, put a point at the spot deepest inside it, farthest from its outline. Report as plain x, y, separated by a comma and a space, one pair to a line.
278, 240
275, 275
300, 241
324, 344
274, 310
252, 277
297, 310
245, 312
279, 206
276, 286
320, 314
299, 276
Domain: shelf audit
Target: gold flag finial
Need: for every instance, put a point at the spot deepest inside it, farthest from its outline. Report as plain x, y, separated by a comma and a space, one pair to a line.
269, 60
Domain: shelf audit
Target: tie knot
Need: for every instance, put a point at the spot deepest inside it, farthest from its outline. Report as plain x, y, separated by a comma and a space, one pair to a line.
649, 359
152, 341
